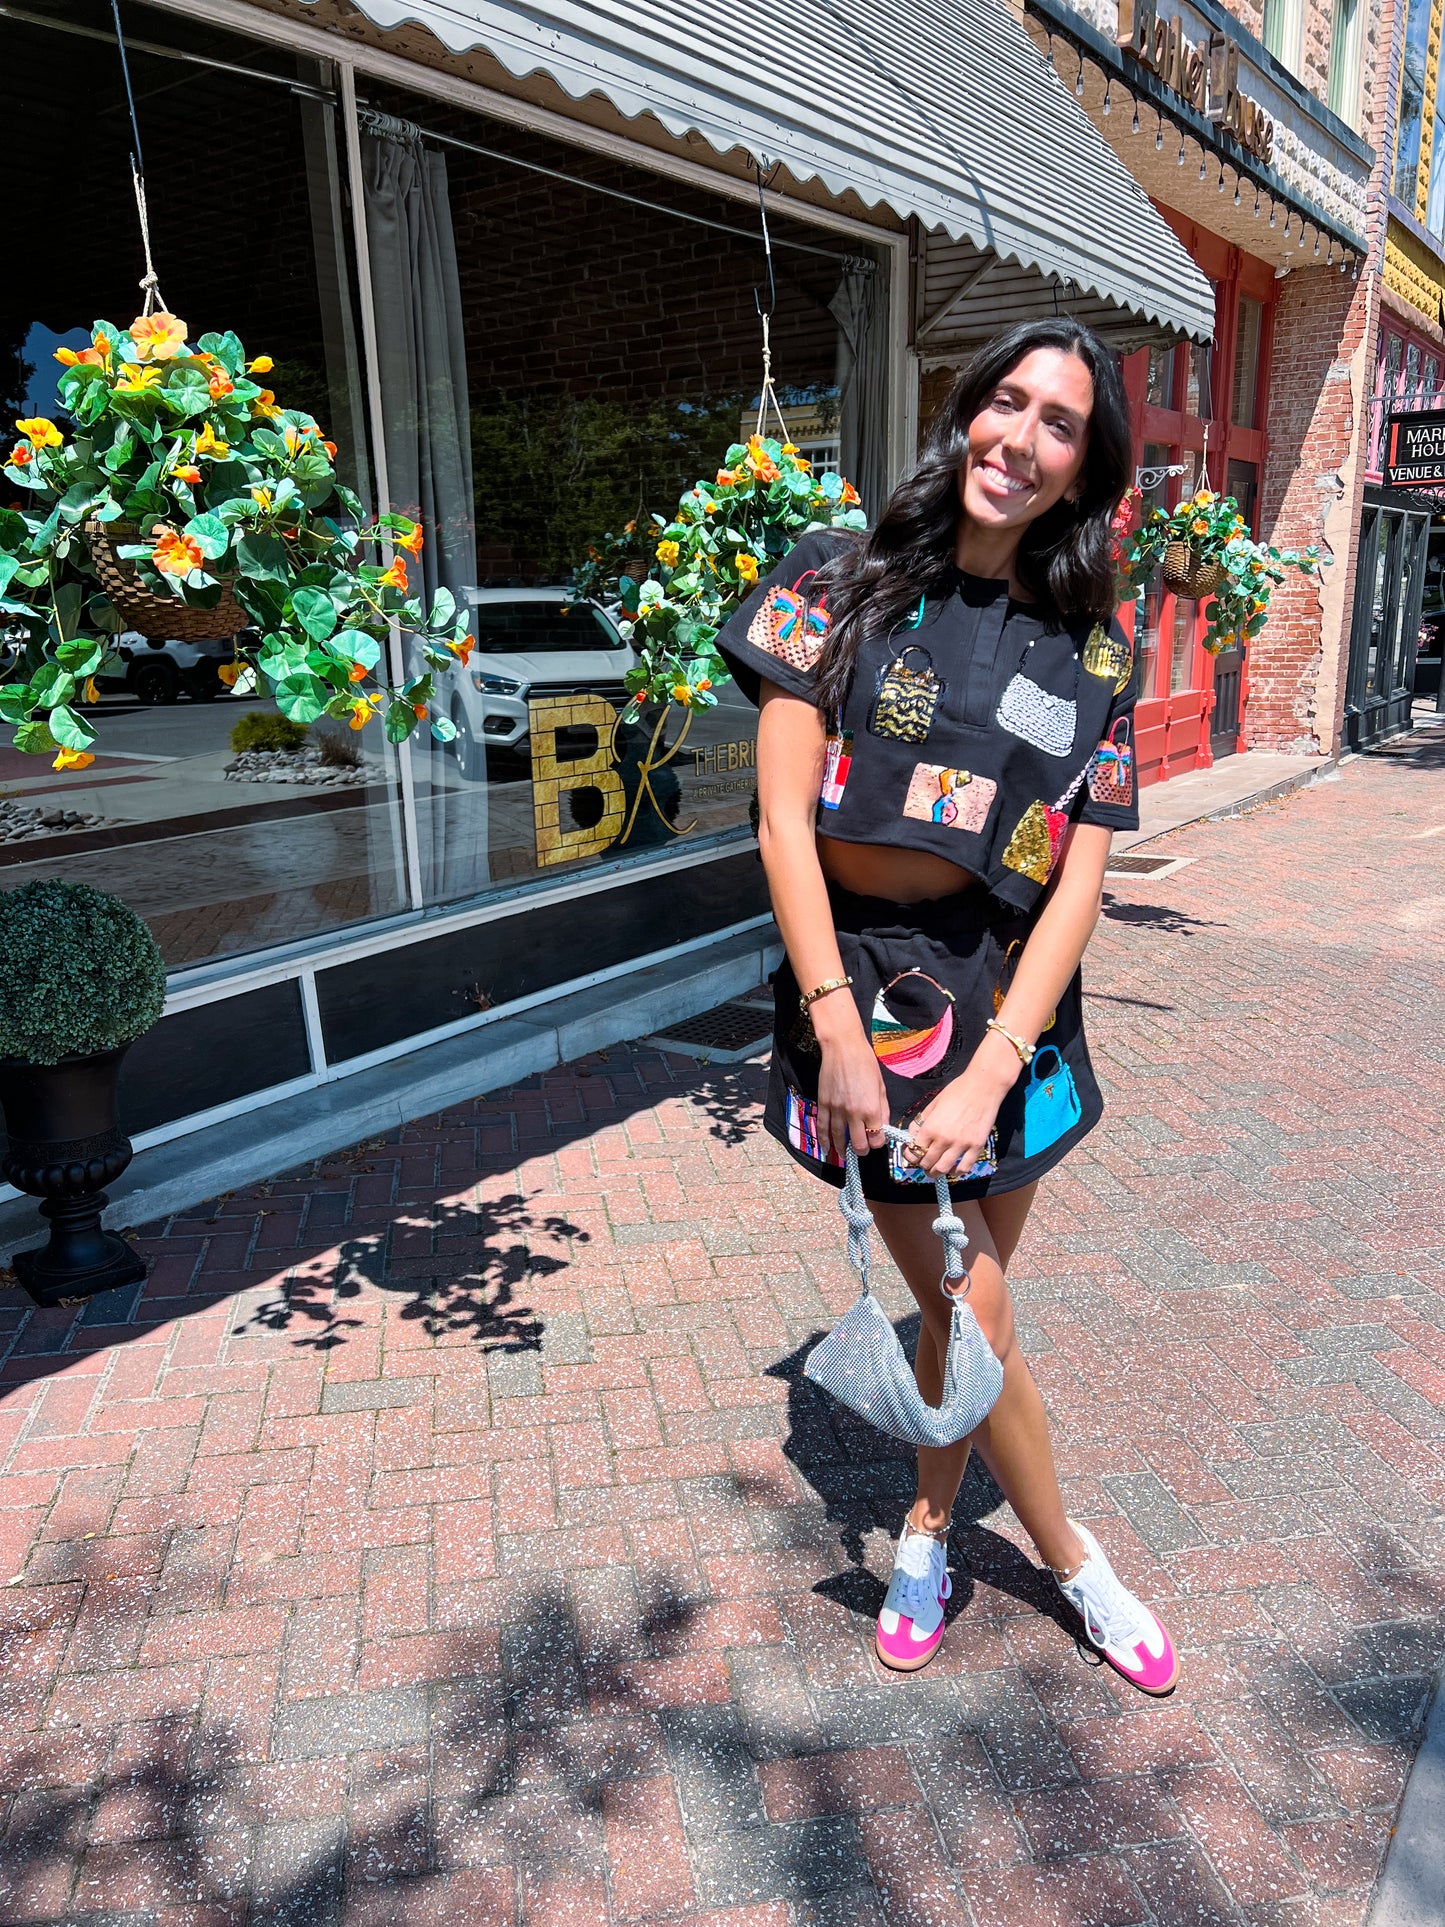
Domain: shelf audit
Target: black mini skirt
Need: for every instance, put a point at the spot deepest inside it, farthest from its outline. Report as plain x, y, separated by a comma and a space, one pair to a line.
926, 979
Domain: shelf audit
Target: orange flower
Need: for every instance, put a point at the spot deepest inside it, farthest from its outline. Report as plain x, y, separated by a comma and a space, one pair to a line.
100, 349
21, 455
292, 439
159, 336
704, 682
419, 711
187, 472
91, 692
412, 543
72, 759
229, 673
850, 494
395, 577
463, 650
221, 384
177, 554
357, 672
43, 433
265, 404
727, 476
330, 448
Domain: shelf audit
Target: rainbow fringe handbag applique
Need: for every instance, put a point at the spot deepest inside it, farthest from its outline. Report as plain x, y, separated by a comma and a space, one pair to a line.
861, 1362
1051, 1102
787, 625
1111, 770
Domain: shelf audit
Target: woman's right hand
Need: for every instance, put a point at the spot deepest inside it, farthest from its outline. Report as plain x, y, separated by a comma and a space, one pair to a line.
852, 1103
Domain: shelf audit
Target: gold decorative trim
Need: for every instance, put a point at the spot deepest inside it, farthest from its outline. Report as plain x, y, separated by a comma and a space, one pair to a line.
1427, 112
1413, 272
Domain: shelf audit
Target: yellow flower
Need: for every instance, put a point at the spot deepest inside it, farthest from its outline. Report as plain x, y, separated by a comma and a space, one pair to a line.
265, 404
361, 714
90, 693
1204, 497
134, 380
681, 694
72, 759
229, 673
159, 336
709, 507
748, 566
262, 498
43, 433
187, 472
262, 365
208, 442
292, 439
667, 553
1199, 526
790, 448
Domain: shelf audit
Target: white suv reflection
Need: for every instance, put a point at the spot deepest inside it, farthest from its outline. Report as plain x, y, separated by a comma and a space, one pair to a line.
530, 642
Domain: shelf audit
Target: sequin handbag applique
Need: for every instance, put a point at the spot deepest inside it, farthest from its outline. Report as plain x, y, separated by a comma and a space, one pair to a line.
1038, 836
909, 691
1051, 1102
914, 1033
902, 1172
1109, 658
789, 626
1111, 768
1005, 979
1045, 720
802, 1125
953, 798
837, 761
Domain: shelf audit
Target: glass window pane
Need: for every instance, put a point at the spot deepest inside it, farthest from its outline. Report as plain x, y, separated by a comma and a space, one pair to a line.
1159, 389
1412, 101
218, 859
1246, 362
1146, 622
1242, 482
1344, 85
1181, 667
1197, 390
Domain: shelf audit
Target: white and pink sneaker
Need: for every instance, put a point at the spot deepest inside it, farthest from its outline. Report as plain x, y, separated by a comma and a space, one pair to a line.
1117, 1624
910, 1622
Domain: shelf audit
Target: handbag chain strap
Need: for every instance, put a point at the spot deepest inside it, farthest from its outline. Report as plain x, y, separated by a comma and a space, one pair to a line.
854, 1206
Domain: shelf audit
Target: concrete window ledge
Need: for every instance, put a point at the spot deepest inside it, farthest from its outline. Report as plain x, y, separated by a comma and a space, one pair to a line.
261, 1143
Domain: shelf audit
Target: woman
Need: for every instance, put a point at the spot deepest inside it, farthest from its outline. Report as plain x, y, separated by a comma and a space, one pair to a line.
935, 818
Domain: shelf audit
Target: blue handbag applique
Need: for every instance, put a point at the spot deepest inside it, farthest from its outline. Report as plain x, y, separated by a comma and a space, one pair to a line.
1051, 1103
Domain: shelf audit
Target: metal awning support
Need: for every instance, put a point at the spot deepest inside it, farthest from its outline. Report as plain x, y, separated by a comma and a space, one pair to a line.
925, 107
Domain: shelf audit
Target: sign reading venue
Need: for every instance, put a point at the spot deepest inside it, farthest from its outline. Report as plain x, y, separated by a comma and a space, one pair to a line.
1416, 450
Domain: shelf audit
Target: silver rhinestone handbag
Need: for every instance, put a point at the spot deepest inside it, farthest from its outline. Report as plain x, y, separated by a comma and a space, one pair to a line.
861, 1361
1045, 720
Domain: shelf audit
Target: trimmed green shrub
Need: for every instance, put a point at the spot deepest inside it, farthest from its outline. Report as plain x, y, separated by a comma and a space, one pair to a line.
81, 972
264, 729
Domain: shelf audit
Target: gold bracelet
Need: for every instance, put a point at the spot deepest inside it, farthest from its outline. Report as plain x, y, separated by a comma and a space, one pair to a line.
823, 989
1025, 1051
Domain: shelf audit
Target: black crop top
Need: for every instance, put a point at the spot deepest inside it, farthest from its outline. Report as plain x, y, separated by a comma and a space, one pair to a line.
979, 729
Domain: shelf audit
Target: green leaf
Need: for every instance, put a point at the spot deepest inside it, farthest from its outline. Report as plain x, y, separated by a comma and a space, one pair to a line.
443, 728
315, 611
82, 657
15, 703
70, 730
443, 608
263, 556
35, 739
210, 534
302, 697
400, 720
51, 684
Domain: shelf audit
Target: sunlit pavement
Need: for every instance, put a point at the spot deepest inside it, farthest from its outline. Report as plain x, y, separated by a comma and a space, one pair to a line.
447, 1534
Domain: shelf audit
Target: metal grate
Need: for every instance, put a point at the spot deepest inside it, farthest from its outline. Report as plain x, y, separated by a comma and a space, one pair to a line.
1129, 865
724, 1035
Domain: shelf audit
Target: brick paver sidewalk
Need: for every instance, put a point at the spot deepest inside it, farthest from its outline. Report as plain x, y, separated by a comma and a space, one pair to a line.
448, 1535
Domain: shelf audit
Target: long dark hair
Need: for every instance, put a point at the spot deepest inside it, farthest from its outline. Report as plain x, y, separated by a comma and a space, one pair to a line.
1065, 558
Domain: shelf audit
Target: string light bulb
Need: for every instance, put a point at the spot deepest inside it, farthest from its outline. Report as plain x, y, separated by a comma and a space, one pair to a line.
1271, 211
1135, 128
1079, 81
1236, 190
1159, 131
1256, 200
1201, 166
1181, 151
1108, 89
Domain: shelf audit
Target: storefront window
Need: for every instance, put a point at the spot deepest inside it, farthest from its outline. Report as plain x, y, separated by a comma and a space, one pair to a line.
1146, 631
1412, 102
1197, 392
1159, 385
1248, 328
214, 864
1412, 370
1242, 482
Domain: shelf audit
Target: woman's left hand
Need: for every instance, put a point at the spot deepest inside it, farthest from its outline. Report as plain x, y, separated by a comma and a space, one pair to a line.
951, 1133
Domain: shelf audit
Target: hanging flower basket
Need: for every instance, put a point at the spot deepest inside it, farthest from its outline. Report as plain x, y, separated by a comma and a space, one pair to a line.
1203, 548
1188, 573
161, 617
180, 498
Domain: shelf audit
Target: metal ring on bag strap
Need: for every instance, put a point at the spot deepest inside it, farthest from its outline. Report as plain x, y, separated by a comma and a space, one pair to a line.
947, 1225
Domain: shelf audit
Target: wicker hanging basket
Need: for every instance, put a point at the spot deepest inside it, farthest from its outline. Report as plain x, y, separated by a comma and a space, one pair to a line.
1185, 574
161, 618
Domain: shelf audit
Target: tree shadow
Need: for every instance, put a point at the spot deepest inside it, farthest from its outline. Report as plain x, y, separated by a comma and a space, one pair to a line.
1157, 916
865, 1481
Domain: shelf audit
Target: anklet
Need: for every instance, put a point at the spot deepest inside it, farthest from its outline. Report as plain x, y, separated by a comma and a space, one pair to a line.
929, 1532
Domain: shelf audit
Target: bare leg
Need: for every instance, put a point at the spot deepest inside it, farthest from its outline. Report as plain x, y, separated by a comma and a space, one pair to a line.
1014, 1439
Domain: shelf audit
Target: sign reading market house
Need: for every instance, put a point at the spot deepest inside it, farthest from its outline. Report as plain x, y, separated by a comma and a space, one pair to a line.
1416, 451
1205, 74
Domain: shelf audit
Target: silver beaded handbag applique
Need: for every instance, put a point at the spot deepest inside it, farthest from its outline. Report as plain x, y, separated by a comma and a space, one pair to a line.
861, 1362
1046, 721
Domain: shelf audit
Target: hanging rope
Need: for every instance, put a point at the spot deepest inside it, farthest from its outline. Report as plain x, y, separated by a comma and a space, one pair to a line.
150, 283
768, 397
948, 1226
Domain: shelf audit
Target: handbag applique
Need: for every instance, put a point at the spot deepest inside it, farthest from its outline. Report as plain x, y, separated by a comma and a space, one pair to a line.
1046, 721
915, 1034
1107, 657
954, 798
837, 761
908, 694
787, 625
1051, 1103
802, 1122
1005, 978
1111, 768
902, 1172
1038, 836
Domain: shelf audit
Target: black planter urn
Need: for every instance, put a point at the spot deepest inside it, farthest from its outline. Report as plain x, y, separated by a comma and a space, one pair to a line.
64, 1147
